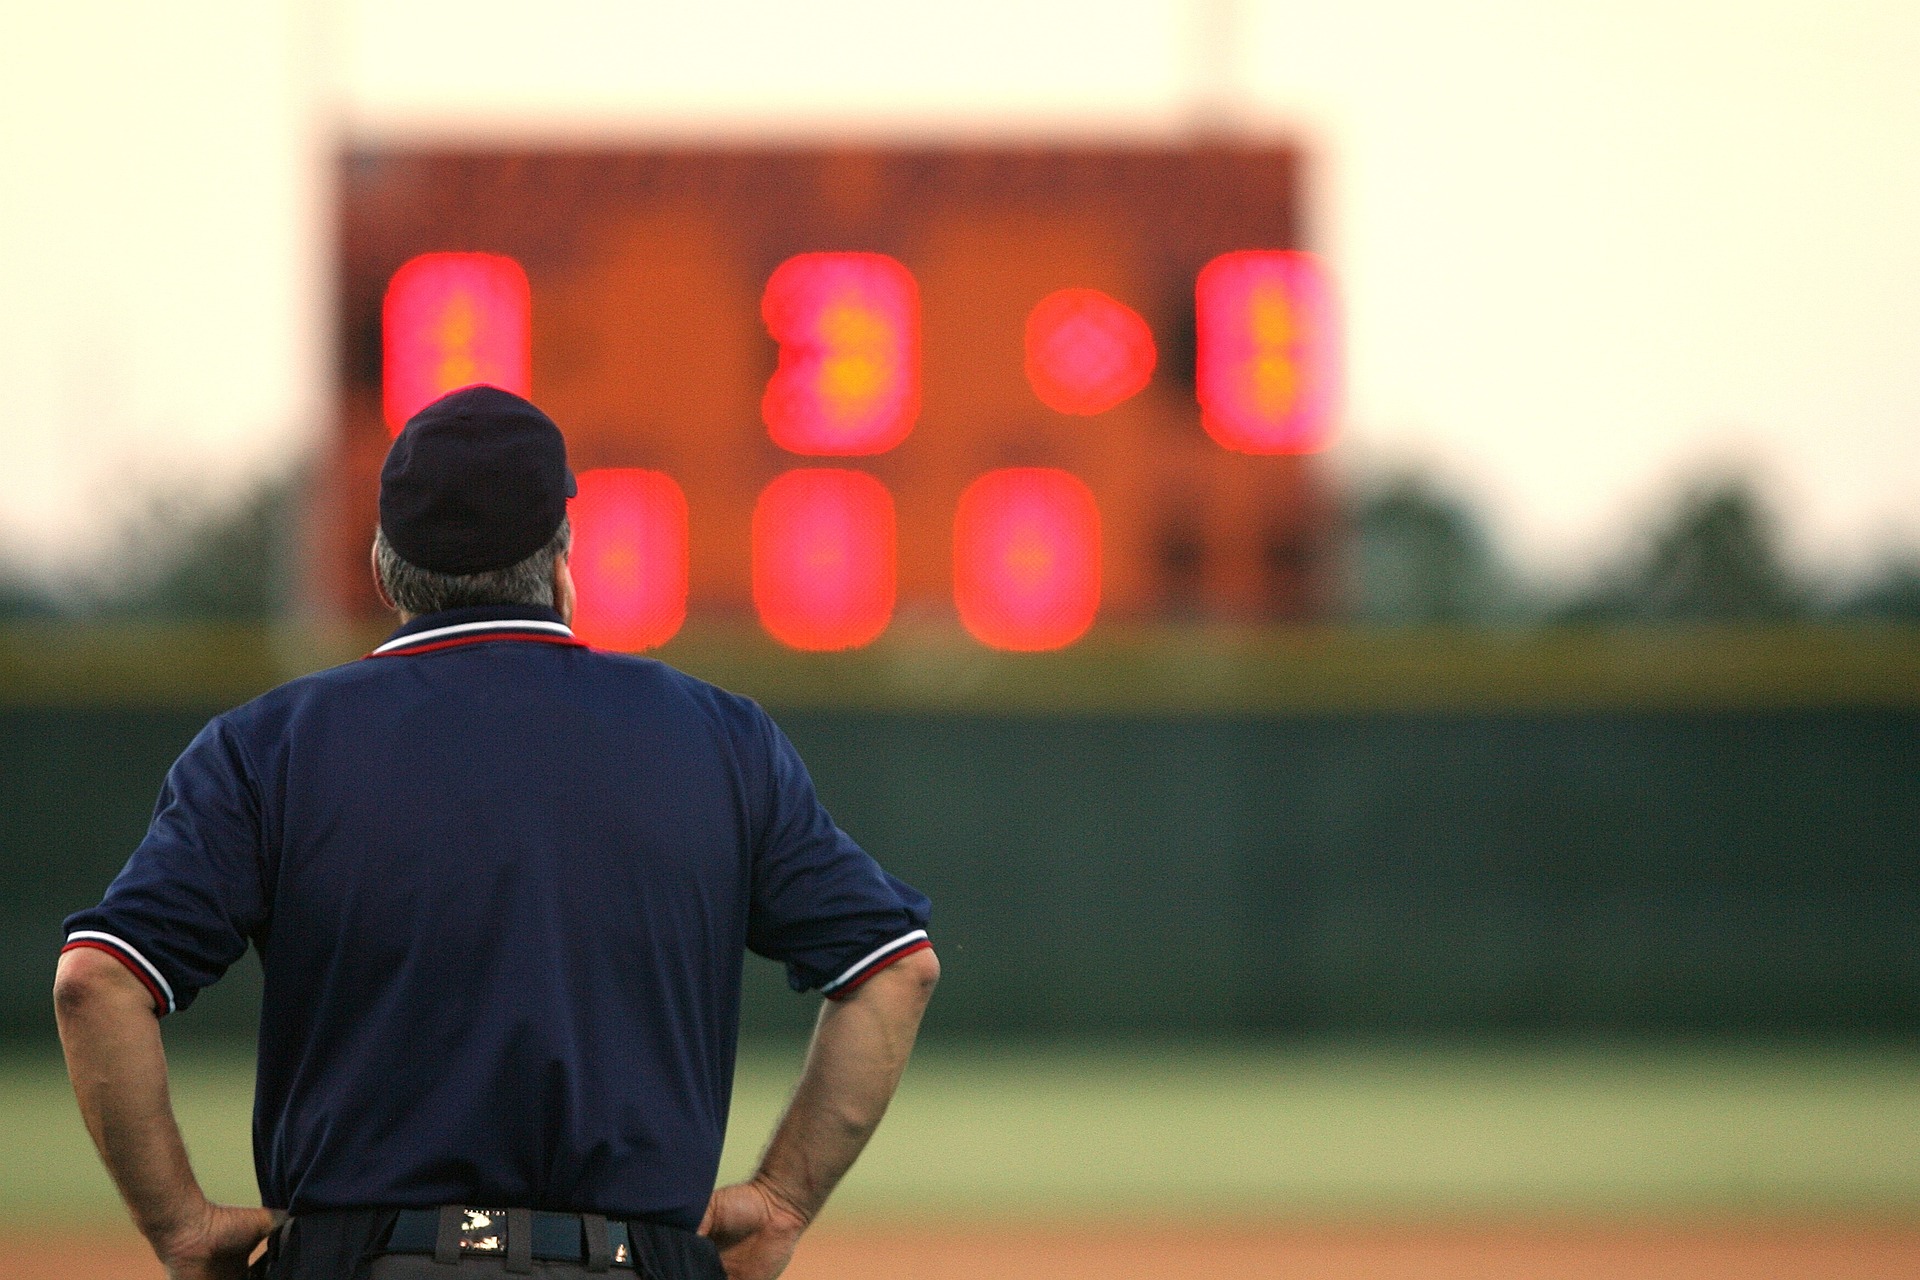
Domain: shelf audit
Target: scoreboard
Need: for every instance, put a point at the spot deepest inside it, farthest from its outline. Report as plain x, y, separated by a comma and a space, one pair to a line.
1026, 389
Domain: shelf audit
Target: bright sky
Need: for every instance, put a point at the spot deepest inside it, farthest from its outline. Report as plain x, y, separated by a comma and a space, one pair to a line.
1587, 248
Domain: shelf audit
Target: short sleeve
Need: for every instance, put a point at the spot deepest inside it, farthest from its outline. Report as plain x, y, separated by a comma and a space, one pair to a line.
181, 910
821, 905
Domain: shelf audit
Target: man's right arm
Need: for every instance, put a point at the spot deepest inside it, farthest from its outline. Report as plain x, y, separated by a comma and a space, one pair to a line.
119, 1072
859, 1050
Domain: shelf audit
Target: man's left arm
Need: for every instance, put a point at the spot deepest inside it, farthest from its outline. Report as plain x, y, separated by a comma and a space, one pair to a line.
119, 1071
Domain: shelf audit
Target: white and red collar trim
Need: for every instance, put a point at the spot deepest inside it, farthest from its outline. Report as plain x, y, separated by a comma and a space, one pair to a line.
476, 632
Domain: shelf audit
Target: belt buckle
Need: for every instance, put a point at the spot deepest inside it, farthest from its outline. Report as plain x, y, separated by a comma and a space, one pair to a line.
483, 1230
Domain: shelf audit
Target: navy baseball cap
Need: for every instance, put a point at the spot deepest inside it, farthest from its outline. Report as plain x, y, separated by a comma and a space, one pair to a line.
477, 480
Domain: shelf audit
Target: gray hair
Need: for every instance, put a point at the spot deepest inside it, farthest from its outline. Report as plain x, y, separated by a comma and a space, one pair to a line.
422, 591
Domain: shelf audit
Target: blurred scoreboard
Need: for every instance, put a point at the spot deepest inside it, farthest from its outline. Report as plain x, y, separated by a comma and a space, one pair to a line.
839, 389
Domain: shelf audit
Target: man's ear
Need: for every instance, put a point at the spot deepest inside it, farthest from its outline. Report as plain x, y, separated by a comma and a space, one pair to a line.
379, 587
563, 591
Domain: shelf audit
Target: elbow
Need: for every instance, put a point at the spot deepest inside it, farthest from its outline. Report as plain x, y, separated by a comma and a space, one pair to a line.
76, 984
921, 972
87, 980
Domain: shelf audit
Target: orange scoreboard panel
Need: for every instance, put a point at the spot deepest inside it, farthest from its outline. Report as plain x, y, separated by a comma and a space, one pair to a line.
836, 389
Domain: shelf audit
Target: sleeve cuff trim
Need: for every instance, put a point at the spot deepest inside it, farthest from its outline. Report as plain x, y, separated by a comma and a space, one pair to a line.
129, 955
876, 960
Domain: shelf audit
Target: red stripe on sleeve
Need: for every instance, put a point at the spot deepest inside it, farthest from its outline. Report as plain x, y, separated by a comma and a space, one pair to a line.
159, 997
840, 993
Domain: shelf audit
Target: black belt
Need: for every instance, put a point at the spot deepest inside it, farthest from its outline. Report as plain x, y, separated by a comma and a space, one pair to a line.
519, 1236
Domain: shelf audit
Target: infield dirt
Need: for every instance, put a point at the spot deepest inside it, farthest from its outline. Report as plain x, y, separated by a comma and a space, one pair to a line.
1717, 1251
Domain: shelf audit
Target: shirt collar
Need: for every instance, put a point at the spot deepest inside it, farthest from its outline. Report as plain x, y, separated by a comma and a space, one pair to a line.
481, 622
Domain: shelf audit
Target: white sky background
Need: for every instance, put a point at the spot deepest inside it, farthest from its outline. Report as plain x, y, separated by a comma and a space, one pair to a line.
1588, 249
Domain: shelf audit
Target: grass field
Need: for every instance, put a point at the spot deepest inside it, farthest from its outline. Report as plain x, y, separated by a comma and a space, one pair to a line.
929, 666
1233, 1134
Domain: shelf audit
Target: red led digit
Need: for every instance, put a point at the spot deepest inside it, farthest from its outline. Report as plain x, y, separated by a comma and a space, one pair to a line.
1086, 351
823, 558
1266, 359
629, 558
452, 320
1026, 558
848, 325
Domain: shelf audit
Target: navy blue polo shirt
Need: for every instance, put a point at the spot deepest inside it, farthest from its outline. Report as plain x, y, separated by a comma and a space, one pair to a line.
501, 886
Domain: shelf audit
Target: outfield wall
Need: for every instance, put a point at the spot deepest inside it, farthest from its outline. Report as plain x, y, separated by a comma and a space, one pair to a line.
1286, 858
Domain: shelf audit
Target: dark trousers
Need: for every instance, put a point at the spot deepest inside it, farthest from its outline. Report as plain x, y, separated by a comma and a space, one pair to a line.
350, 1244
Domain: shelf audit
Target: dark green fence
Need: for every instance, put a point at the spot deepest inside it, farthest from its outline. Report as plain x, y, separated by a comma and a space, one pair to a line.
1172, 873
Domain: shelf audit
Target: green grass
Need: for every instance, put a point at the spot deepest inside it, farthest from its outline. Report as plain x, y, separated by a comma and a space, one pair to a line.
1234, 1133
48, 1171
1387, 1133
1118, 668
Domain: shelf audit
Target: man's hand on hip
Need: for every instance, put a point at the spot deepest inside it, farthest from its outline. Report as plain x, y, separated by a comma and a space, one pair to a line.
860, 1046
754, 1231
217, 1245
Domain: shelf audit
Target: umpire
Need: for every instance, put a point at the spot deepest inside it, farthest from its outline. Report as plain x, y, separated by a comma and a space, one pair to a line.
501, 886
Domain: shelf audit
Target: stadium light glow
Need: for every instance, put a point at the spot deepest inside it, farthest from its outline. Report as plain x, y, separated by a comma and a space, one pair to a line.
824, 554
1026, 558
629, 558
451, 320
1266, 358
848, 381
1086, 351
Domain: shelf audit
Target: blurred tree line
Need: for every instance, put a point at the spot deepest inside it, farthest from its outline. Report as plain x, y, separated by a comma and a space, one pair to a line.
1419, 554
181, 557
1414, 554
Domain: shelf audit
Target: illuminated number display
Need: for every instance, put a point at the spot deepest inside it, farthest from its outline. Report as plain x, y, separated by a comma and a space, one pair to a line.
1026, 558
1087, 352
823, 558
452, 320
1264, 356
1023, 388
629, 558
848, 325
